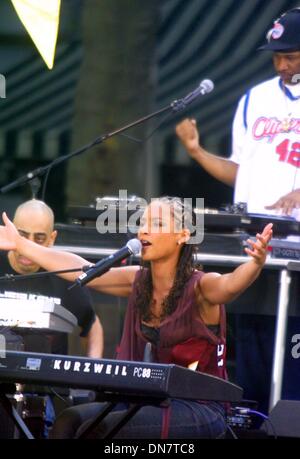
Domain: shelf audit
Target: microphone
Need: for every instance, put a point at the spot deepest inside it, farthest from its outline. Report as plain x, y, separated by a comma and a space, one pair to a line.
133, 247
205, 87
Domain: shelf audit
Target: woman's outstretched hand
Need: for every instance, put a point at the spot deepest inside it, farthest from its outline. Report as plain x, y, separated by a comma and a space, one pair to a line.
259, 247
8, 234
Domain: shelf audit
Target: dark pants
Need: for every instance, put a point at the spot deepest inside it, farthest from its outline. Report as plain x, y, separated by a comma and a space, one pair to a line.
187, 420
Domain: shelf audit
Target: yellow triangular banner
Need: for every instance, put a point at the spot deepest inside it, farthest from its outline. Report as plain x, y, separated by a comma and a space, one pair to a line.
41, 20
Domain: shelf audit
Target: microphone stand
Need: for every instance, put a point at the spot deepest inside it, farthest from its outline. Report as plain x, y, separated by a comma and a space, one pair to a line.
176, 106
16, 277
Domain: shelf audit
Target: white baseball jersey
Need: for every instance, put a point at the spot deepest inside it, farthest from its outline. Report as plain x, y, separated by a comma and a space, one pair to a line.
266, 145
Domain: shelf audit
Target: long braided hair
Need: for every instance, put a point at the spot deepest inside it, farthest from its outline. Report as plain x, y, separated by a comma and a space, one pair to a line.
180, 211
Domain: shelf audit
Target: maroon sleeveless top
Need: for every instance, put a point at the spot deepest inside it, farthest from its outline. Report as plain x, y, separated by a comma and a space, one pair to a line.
183, 336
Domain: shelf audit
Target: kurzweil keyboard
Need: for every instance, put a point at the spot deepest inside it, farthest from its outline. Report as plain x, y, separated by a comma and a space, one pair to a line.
115, 377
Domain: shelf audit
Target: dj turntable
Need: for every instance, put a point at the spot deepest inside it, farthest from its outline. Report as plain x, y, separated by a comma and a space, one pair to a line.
231, 220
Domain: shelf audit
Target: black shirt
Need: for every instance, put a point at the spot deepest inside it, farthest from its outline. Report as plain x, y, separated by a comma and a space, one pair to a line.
76, 300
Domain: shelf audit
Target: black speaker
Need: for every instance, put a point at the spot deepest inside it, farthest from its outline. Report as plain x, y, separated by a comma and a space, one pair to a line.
284, 419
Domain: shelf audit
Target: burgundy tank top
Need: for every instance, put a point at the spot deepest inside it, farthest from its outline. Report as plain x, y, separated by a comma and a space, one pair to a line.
184, 339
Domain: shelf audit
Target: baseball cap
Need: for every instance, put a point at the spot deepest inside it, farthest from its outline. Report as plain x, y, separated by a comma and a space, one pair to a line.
285, 33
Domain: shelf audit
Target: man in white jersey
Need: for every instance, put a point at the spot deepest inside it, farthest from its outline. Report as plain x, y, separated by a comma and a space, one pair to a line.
265, 160
264, 169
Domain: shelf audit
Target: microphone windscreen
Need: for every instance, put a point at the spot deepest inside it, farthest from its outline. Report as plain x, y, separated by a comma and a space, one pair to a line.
207, 86
134, 246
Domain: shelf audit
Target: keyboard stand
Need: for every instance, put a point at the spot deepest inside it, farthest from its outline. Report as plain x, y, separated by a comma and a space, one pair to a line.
134, 405
110, 402
13, 414
108, 407
128, 414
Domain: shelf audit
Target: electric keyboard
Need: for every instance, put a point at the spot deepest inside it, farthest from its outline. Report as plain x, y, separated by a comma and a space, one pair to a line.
38, 313
115, 377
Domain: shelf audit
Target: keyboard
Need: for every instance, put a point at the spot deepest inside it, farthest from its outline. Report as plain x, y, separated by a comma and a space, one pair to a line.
115, 377
39, 313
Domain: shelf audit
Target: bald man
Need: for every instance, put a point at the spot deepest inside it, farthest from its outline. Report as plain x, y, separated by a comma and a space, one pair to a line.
35, 221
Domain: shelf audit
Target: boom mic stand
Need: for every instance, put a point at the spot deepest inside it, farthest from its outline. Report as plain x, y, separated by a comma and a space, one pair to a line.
205, 87
16, 277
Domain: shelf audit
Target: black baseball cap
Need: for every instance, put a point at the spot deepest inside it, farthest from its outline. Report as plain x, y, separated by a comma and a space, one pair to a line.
285, 34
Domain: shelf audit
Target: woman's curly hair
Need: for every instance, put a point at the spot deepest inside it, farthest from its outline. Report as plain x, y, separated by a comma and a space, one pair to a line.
183, 214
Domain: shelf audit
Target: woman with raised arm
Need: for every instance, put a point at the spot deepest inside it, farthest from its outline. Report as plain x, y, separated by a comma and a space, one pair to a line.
173, 306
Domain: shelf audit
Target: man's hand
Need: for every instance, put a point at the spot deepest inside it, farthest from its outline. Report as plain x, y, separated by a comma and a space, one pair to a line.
8, 234
287, 203
188, 134
259, 247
